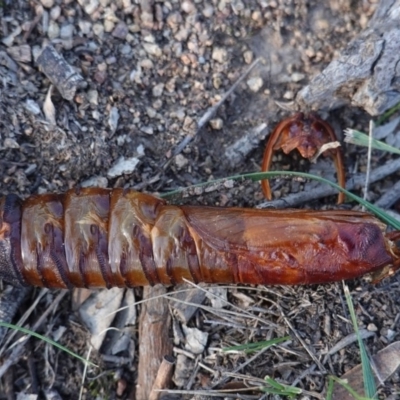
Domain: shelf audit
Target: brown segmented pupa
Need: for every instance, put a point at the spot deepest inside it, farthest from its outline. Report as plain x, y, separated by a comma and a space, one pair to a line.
98, 238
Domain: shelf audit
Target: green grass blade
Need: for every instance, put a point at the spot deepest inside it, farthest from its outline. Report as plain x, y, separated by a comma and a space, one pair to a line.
369, 381
46, 339
329, 390
280, 389
387, 114
361, 139
344, 383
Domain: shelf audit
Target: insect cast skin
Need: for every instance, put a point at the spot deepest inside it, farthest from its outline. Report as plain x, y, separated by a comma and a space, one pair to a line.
306, 133
98, 238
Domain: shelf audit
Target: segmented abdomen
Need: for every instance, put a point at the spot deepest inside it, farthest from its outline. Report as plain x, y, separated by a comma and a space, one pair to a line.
97, 238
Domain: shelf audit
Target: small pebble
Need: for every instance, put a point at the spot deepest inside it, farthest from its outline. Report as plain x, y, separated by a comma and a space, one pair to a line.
255, 84
85, 27
181, 161
120, 31
391, 334
288, 95
217, 123
98, 30
256, 16
123, 166
53, 31
10, 143
248, 56
95, 181
219, 54
147, 129
113, 119
174, 20
55, 13
196, 339
151, 112
146, 63
47, 3
66, 31
157, 90
372, 327
188, 6
152, 49
208, 10
126, 49
32, 107
297, 77
108, 25
93, 96
89, 6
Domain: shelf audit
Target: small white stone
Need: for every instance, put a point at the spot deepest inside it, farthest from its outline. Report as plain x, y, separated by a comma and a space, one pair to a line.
151, 112
390, 334
208, 10
248, 56
47, 3
196, 339
152, 49
146, 63
123, 166
53, 31
67, 31
108, 25
55, 13
181, 161
32, 107
288, 95
256, 16
255, 84
89, 6
98, 30
113, 119
158, 89
95, 181
147, 129
188, 6
218, 296
93, 97
297, 77
219, 54
85, 26
217, 123
372, 327
10, 143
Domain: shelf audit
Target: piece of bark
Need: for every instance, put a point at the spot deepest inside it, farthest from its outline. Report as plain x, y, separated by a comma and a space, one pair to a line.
62, 75
185, 306
238, 151
367, 73
154, 340
163, 378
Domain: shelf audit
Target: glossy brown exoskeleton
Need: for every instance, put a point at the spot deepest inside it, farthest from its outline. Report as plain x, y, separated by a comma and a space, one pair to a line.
103, 238
306, 133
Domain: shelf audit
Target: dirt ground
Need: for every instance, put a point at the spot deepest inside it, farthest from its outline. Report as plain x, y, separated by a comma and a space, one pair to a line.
151, 71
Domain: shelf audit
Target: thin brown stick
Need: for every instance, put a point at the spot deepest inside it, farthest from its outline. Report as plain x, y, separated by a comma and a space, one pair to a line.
163, 378
154, 341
